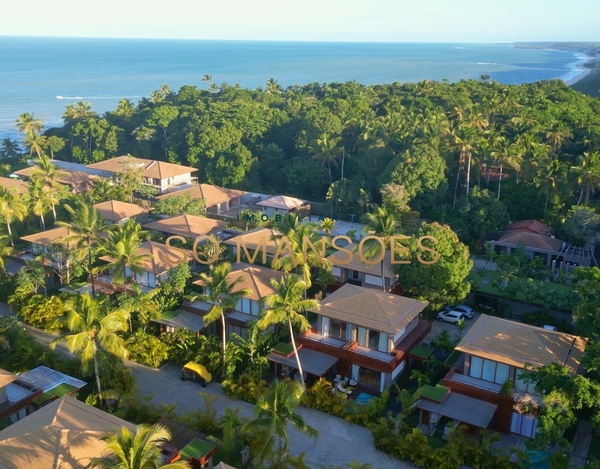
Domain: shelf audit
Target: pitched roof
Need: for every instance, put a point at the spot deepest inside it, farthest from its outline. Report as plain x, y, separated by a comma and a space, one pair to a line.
212, 195
372, 309
48, 237
20, 186
64, 176
115, 210
516, 344
163, 257
283, 202
339, 257
255, 238
531, 240
189, 226
152, 168
256, 279
65, 434
6, 377
530, 226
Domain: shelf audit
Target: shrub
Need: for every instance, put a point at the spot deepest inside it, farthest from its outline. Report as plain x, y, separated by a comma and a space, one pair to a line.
43, 313
246, 387
147, 350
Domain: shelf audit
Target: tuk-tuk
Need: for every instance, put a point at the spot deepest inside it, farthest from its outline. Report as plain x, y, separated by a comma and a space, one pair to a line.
196, 372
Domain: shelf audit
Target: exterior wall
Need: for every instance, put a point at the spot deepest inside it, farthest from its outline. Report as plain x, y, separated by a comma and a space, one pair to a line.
271, 212
3, 395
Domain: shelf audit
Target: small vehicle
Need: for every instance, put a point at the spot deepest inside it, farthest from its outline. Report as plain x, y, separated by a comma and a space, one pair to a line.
196, 372
466, 310
549, 328
450, 316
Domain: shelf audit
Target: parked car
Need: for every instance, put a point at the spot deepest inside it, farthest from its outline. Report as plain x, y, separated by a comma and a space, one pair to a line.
549, 328
450, 316
466, 310
196, 372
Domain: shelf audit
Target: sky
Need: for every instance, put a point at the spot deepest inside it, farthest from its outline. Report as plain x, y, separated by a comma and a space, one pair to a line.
309, 20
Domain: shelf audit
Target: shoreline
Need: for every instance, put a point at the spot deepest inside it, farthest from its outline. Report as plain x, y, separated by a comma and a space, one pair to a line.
583, 73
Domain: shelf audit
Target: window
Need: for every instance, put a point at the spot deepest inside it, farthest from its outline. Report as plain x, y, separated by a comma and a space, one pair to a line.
362, 337
373, 340
522, 385
325, 327
338, 330
354, 274
488, 370
239, 330
369, 378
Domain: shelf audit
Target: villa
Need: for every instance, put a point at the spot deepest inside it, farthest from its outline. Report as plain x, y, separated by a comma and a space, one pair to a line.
188, 226
20, 186
76, 179
217, 200
258, 242
282, 205
118, 213
358, 273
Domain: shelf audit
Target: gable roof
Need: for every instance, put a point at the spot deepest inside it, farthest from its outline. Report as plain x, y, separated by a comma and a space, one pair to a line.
254, 238
212, 195
530, 226
20, 186
73, 178
256, 279
6, 377
48, 237
152, 168
64, 434
370, 308
516, 344
531, 240
189, 226
355, 263
163, 257
283, 202
115, 210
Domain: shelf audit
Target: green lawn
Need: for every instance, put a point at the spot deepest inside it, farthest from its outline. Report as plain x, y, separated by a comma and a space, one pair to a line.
484, 284
283, 349
59, 391
453, 358
171, 314
434, 393
197, 449
420, 351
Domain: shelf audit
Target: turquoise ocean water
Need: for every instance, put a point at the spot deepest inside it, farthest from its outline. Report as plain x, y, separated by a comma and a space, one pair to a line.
43, 75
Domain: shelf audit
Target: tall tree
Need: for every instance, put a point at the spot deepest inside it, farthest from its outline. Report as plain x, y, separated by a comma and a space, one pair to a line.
35, 142
223, 295
327, 151
550, 175
9, 149
27, 122
587, 173
285, 305
94, 325
42, 199
384, 224
140, 450
54, 144
13, 206
272, 414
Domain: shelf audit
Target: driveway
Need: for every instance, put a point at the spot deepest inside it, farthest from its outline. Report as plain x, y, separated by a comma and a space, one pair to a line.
438, 326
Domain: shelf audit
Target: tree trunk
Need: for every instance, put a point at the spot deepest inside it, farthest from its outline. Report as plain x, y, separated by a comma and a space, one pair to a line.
97, 373
296, 351
10, 233
468, 174
456, 185
578, 201
382, 278
54, 212
43, 222
546, 205
500, 182
488, 176
224, 336
90, 269
343, 158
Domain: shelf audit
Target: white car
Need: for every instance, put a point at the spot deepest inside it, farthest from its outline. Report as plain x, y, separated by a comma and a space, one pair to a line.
450, 316
466, 310
549, 328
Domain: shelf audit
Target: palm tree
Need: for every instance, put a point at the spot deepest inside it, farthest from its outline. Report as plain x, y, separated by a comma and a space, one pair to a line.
48, 172
35, 142
5, 250
587, 174
42, 198
140, 450
551, 172
383, 224
146, 305
84, 230
122, 246
506, 154
93, 324
26, 122
9, 149
327, 151
327, 225
13, 206
285, 305
223, 295
272, 413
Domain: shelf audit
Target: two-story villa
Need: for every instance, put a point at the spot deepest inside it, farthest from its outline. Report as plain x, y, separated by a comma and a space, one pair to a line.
188, 226
358, 273
496, 350
258, 243
369, 331
164, 177
116, 212
217, 200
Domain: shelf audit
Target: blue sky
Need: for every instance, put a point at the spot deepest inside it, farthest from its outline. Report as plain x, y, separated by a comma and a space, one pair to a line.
305, 20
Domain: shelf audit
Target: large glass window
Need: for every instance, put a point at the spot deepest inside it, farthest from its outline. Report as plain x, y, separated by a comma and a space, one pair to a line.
373, 340
362, 337
369, 378
488, 370
522, 385
338, 330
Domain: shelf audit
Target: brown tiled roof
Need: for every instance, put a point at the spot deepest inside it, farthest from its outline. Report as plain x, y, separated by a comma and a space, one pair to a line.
6, 377
75, 179
20, 186
189, 226
212, 195
516, 344
152, 168
356, 264
531, 240
163, 257
115, 210
256, 279
254, 238
530, 226
65, 434
48, 237
283, 202
371, 309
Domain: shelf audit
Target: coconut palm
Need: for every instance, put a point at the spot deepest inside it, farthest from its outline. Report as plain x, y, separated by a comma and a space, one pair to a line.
42, 199
223, 294
140, 450
327, 151
94, 325
272, 414
26, 122
146, 305
48, 172
384, 224
84, 229
506, 154
285, 305
5, 250
35, 142
549, 176
327, 225
9, 149
13, 206
587, 173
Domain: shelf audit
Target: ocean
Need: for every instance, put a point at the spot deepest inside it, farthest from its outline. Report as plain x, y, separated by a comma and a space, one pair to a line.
43, 75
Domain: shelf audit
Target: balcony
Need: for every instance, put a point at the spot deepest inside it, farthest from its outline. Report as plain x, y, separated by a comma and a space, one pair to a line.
19, 395
454, 377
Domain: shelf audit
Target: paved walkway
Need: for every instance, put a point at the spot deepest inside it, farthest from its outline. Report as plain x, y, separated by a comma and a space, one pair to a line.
581, 443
